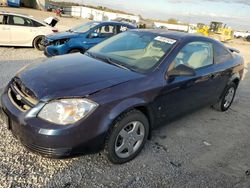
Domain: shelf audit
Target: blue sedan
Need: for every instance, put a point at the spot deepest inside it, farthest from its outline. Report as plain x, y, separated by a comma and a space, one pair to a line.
83, 37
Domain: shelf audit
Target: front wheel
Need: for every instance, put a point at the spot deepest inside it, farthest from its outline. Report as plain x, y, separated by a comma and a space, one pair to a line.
127, 137
227, 98
76, 51
39, 43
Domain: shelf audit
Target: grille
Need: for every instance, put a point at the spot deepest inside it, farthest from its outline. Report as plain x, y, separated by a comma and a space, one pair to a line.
59, 152
47, 42
21, 96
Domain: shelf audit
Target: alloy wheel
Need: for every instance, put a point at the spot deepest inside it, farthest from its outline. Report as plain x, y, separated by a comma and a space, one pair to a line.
229, 97
129, 139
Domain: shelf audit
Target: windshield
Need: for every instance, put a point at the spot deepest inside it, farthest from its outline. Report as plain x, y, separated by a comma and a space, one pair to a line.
138, 51
84, 27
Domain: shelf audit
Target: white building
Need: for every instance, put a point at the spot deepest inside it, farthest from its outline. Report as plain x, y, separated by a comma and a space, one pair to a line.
175, 27
99, 15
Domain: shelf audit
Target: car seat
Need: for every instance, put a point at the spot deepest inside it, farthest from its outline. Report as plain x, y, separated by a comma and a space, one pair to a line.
198, 58
152, 54
106, 29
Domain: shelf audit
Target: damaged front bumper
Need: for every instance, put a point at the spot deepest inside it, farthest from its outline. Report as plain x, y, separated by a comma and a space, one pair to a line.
50, 140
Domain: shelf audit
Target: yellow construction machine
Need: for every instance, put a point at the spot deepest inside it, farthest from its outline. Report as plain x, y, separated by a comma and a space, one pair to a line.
216, 30
203, 29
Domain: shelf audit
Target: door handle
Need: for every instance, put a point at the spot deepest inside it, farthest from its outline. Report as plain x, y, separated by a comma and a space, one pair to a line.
212, 76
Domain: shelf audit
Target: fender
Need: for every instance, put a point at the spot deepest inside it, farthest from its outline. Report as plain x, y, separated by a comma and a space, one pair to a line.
234, 77
124, 106
76, 45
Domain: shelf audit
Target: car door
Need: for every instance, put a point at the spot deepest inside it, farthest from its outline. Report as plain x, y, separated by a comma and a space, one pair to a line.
21, 30
223, 67
4, 30
183, 94
100, 34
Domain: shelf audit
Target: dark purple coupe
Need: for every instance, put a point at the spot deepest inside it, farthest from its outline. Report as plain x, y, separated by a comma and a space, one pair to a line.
114, 95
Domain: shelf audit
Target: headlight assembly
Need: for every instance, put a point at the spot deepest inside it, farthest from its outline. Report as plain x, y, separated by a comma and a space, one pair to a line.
67, 111
60, 42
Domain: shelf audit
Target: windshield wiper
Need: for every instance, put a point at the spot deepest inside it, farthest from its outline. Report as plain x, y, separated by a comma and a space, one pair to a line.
107, 60
91, 55
112, 61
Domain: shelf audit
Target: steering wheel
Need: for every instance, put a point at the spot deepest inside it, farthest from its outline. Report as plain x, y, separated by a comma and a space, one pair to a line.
147, 62
149, 58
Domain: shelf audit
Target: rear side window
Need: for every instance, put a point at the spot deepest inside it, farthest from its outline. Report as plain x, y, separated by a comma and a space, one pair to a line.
122, 28
19, 21
221, 54
37, 24
106, 31
195, 55
1, 19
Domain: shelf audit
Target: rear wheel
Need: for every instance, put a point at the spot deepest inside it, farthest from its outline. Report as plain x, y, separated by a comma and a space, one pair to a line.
75, 51
1, 91
227, 98
39, 43
127, 137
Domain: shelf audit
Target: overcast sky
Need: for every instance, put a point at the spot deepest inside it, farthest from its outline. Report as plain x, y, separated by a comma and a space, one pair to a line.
235, 13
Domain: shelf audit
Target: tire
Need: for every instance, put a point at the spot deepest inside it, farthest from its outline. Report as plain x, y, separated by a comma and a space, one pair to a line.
1, 92
117, 146
227, 98
75, 51
38, 43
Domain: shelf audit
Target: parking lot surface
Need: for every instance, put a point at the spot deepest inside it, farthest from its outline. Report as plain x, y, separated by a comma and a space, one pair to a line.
203, 149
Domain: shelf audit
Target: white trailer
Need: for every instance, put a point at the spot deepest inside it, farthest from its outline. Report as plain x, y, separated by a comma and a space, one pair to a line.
175, 27
241, 34
99, 15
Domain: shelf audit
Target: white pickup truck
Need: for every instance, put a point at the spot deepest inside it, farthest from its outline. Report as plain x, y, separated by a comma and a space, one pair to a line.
241, 34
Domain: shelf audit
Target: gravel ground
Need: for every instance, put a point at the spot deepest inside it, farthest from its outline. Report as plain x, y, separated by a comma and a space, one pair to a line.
204, 149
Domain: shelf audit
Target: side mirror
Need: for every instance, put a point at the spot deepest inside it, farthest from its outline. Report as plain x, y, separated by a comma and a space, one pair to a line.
93, 35
181, 70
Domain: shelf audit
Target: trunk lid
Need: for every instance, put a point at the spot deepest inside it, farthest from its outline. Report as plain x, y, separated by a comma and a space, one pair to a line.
52, 21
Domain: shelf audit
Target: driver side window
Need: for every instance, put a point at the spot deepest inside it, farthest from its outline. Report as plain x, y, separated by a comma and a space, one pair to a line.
195, 55
105, 31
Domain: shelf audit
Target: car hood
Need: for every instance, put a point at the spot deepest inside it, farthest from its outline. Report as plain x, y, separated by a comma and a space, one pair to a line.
62, 35
74, 75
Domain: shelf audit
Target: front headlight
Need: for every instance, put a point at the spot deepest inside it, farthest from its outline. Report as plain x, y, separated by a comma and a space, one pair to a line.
61, 42
67, 111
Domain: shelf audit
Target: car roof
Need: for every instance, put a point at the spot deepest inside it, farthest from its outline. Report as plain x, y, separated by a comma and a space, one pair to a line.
21, 15
114, 22
177, 35
16, 14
